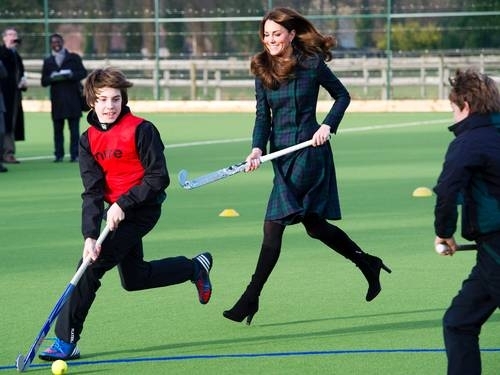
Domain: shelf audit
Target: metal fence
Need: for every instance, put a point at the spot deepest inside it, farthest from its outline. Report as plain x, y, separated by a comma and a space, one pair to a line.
166, 46
424, 77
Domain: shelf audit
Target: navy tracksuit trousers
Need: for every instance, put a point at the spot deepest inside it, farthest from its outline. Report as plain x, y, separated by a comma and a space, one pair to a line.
122, 248
478, 298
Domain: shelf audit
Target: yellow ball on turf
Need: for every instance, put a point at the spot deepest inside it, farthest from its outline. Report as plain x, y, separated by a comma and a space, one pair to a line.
59, 367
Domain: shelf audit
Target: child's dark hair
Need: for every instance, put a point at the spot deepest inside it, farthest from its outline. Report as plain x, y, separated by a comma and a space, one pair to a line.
476, 89
106, 77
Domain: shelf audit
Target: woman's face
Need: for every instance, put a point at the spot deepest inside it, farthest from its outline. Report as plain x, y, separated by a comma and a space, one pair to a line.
277, 39
108, 104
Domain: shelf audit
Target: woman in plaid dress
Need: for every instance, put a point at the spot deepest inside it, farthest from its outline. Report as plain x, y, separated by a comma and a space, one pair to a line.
289, 73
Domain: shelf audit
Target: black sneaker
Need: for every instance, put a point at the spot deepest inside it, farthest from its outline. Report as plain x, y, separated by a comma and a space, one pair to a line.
203, 264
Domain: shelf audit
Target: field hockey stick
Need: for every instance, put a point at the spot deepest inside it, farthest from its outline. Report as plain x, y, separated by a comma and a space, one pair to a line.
24, 362
442, 247
234, 169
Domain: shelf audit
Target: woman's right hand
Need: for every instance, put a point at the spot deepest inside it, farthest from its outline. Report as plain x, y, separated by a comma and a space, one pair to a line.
253, 160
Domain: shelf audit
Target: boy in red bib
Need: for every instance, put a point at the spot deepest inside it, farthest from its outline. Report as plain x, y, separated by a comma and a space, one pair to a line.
123, 168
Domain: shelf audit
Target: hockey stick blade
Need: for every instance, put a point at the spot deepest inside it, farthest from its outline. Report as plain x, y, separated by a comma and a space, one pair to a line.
24, 362
233, 169
209, 178
183, 181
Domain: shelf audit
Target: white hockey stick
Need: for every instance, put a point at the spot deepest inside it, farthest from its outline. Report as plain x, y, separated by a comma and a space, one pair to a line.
233, 169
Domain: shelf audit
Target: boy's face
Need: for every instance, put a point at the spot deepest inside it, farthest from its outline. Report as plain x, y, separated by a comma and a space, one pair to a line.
108, 105
460, 114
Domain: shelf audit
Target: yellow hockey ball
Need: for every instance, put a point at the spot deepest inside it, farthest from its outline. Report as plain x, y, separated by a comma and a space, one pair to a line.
59, 367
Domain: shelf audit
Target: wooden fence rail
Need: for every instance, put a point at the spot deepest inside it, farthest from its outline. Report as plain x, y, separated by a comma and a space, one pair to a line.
200, 76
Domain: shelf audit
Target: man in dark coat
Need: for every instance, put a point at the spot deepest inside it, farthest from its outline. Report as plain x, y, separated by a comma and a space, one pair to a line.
63, 71
3, 74
12, 87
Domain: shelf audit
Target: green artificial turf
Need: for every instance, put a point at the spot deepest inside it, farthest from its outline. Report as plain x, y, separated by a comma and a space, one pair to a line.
313, 318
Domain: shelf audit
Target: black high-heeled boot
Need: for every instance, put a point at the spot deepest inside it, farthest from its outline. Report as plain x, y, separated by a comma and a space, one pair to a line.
248, 304
245, 307
370, 266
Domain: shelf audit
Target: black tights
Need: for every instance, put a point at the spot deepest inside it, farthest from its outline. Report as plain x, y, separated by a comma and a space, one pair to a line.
317, 228
332, 236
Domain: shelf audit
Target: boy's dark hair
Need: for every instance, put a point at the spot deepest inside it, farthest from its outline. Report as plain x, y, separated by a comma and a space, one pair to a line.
476, 89
106, 77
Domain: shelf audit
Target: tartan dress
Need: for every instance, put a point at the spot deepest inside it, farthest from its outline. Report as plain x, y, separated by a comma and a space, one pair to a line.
304, 181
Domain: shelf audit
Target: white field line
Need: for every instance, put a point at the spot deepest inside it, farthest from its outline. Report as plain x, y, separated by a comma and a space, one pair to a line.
348, 130
233, 140
395, 126
213, 142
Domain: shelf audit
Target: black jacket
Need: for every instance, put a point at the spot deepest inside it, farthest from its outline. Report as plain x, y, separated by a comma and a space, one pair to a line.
65, 89
14, 115
471, 177
148, 195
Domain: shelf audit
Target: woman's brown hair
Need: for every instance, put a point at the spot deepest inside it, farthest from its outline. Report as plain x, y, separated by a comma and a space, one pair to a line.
308, 41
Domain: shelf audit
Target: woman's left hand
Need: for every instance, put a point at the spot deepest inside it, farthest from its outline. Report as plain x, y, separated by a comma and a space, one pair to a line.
321, 136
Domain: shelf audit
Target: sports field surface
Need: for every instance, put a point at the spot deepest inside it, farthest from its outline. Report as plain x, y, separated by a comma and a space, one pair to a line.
313, 318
